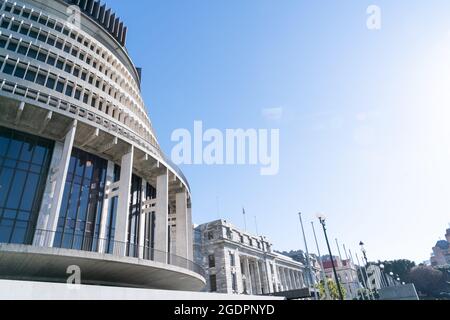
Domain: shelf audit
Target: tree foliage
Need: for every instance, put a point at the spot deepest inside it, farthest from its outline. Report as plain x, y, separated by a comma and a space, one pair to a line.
402, 268
428, 280
334, 292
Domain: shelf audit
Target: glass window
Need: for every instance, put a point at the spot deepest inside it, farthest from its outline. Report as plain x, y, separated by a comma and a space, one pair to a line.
41, 79
134, 216
23, 49
79, 220
50, 83
9, 68
20, 72
234, 281
232, 260
32, 53
12, 46
31, 75
213, 283
60, 86
21, 189
211, 261
24, 30
42, 56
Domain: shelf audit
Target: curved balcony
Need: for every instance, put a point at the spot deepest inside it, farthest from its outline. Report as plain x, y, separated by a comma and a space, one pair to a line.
101, 262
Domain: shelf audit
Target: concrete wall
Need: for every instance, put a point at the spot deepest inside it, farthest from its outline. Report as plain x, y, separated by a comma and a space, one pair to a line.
406, 292
23, 290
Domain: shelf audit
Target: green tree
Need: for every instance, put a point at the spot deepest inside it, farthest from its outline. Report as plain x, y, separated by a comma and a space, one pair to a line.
429, 281
402, 268
334, 292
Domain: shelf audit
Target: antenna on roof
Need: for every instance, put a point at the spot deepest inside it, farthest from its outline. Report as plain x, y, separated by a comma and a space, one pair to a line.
245, 219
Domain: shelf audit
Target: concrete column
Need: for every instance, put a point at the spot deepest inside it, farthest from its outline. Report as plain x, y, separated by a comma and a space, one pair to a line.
141, 237
123, 205
105, 208
190, 238
162, 216
51, 205
183, 225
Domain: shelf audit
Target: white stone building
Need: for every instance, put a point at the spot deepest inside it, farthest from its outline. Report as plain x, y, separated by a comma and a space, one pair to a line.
241, 263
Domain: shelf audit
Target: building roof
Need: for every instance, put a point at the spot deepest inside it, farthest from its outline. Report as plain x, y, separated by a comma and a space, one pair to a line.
103, 16
443, 245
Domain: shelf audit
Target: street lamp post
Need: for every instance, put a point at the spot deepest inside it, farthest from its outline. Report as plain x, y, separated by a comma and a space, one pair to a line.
322, 218
325, 279
364, 252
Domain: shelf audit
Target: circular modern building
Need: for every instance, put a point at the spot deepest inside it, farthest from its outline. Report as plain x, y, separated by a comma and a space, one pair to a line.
83, 181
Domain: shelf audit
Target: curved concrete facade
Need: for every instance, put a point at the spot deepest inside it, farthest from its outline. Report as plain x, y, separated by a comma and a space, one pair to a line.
106, 187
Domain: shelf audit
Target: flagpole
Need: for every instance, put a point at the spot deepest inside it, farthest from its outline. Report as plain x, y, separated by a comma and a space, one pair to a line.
245, 220
351, 263
351, 257
364, 279
308, 261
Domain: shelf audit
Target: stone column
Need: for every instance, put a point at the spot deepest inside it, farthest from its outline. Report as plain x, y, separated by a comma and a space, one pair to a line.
51, 205
281, 277
239, 272
248, 277
294, 283
161, 218
258, 278
288, 279
268, 276
297, 280
182, 231
105, 208
275, 276
123, 205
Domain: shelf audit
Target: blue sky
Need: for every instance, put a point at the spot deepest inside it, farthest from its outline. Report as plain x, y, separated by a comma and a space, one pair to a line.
365, 135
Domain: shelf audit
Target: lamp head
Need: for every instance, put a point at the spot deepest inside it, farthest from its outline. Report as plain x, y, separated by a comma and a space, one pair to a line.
321, 216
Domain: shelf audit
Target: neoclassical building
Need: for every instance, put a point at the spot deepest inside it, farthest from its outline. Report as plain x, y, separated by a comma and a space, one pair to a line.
83, 181
237, 262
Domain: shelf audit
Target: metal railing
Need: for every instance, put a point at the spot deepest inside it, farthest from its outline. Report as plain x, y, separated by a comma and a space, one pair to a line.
92, 243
